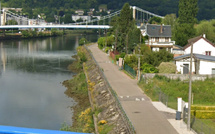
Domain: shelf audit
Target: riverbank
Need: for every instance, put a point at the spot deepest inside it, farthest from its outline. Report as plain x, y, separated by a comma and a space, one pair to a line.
27, 34
104, 114
78, 90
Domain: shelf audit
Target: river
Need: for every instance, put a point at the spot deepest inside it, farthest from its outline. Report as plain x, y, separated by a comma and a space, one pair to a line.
31, 72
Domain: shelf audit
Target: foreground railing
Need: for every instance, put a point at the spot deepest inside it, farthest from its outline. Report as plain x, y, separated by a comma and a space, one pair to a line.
20, 130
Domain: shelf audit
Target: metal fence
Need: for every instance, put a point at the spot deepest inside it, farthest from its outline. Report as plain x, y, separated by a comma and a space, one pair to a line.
197, 124
167, 100
119, 106
130, 70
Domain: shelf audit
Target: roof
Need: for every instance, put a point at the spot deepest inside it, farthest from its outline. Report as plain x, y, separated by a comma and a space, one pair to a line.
196, 56
158, 30
177, 47
195, 39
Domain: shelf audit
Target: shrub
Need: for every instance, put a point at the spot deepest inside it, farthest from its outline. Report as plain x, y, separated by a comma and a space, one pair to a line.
167, 67
193, 107
106, 49
147, 68
101, 42
132, 61
82, 57
83, 41
203, 114
102, 122
26, 34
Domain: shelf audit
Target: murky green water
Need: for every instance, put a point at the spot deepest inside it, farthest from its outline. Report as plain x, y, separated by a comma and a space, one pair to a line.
31, 72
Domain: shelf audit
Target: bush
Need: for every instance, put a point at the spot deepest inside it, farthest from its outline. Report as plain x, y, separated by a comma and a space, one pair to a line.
167, 67
155, 58
101, 42
203, 114
147, 68
26, 34
193, 107
106, 49
83, 41
132, 61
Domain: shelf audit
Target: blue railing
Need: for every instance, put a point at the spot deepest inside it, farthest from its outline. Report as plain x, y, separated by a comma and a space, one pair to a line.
20, 130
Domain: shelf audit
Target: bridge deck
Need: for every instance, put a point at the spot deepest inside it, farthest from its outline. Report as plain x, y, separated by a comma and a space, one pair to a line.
56, 26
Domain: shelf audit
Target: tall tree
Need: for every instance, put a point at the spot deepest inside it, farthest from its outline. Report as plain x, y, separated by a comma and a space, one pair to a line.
207, 28
124, 26
187, 18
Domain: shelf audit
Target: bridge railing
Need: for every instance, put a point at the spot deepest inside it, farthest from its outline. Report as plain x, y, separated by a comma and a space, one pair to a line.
20, 130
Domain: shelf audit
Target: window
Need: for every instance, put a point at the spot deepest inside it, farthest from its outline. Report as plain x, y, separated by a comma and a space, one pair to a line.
156, 39
213, 70
166, 39
208, 53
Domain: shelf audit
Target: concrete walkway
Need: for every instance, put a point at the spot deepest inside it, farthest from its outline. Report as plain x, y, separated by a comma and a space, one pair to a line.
179, 125
138, 107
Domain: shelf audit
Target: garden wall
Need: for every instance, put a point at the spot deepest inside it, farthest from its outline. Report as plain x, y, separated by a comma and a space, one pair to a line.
182, 77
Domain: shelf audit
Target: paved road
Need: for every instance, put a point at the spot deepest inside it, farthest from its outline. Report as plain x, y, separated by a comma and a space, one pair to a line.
138, 107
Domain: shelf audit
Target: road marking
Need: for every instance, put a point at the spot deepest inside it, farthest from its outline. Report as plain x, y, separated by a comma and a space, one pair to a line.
131, 98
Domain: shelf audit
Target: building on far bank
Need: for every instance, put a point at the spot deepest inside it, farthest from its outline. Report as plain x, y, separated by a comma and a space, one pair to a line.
159, 37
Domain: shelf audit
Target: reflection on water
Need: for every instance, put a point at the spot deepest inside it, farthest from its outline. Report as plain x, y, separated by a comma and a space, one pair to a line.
31, 72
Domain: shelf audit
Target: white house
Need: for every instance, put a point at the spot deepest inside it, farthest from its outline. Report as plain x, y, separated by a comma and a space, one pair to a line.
203, 57
201, 45
202, 64
159, 37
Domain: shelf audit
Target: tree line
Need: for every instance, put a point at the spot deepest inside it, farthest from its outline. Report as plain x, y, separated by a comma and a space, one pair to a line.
53, 7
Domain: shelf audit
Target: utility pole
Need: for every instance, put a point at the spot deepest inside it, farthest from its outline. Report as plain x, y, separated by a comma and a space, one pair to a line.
190, 88
116, 36
138, 68
0, 13
105, 38
127, 43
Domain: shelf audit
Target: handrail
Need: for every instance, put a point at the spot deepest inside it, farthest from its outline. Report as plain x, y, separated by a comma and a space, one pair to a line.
20, 130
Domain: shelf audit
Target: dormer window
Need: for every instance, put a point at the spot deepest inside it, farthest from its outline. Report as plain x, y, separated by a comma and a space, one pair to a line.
208, 53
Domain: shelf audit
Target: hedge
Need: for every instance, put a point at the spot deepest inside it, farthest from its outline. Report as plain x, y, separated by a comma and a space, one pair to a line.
203, 114
193, 107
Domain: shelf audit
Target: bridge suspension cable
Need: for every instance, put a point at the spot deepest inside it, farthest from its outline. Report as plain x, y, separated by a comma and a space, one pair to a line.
102, 18
117, 13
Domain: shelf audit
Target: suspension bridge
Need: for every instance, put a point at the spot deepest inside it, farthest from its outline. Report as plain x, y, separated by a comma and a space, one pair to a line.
141, 16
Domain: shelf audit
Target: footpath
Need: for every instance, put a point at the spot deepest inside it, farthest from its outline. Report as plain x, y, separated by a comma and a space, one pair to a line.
147, 117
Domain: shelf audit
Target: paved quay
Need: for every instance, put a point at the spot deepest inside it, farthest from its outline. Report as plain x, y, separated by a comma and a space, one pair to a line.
145, 117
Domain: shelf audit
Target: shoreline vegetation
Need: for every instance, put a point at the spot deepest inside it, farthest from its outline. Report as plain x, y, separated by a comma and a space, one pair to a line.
27, 34
78, 90
96, 109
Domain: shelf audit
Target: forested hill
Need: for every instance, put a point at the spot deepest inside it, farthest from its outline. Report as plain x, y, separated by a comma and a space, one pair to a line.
161, 7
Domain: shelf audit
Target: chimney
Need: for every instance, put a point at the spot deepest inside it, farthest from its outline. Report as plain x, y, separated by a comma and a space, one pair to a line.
161, 29
204, 36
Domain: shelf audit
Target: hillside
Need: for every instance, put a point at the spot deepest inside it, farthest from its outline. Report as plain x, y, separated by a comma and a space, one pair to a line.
161, 7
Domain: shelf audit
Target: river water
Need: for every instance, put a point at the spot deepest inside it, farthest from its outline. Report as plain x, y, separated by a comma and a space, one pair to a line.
31, 72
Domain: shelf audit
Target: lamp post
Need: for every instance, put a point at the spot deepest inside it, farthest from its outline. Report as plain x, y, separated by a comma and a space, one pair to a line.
190, 89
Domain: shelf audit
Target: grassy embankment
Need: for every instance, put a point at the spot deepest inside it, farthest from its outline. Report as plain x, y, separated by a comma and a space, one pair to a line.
203, 92
77, 89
